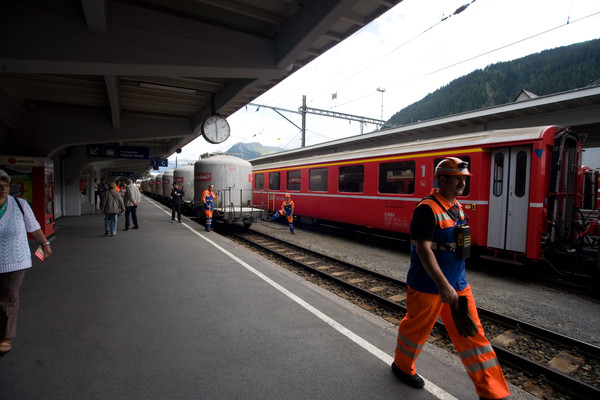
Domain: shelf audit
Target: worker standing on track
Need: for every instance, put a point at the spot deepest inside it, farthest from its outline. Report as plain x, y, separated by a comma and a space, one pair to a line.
437, 285
208, 198
287, 209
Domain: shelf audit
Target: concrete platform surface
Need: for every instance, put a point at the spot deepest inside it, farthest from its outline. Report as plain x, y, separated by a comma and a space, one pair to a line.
169, 311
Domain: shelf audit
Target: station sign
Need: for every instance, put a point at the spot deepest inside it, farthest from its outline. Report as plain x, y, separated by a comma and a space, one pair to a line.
121, 173
134, 153
159, 162
116, 151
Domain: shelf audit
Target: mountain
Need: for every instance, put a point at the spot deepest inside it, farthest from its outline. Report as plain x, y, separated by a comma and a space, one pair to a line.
551, 71
247, 151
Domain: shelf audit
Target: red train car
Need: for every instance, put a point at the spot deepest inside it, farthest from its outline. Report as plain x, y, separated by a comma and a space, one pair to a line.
525, 185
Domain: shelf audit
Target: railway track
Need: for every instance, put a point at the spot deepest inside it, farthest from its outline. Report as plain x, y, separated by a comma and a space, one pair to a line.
552, 271
569, 365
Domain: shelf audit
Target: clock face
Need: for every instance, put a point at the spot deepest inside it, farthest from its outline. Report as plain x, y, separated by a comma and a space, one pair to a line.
215, 130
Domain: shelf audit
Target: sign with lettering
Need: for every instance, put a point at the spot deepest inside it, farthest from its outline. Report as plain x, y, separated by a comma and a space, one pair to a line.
116, 151
159, 162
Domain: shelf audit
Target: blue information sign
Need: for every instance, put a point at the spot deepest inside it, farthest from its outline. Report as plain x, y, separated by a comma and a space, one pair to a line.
135, 153
121, 173
160, 162
116, 151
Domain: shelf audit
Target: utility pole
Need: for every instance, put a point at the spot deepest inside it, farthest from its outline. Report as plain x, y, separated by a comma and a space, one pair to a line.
303, 111
327, 113
382, 90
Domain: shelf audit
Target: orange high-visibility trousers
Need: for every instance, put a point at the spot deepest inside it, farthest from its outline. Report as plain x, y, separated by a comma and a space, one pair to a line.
476, 353
290, 218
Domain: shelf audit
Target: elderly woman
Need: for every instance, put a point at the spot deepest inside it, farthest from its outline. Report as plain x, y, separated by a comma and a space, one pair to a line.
112, 206
16, 219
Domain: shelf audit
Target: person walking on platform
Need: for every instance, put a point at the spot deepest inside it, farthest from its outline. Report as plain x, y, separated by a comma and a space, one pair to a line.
96, 204
112, 206
208, 198
176, 201
102, 188
437, 286
287, 209
132, 201
16, 219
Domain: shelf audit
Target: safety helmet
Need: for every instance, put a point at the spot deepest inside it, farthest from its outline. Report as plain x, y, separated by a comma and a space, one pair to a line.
287, 196
452, 166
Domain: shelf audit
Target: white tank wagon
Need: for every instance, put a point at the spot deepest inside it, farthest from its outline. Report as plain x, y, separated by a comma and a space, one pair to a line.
184, 177
158, 186
232, 178
167, 184
151, 183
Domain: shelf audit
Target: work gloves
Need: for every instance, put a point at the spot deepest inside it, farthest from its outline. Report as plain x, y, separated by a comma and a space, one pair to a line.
462, 319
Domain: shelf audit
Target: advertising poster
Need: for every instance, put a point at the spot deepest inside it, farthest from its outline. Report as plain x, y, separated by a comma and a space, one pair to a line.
21, 184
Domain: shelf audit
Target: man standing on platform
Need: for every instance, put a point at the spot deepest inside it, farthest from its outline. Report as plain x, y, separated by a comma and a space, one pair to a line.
208, 198
102, 188
176, 201
132, 201
437, 286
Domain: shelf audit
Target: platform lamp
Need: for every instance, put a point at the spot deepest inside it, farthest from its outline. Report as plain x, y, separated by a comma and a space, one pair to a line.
178, 151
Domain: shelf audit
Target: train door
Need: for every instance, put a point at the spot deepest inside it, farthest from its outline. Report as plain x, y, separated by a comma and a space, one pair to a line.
509, 198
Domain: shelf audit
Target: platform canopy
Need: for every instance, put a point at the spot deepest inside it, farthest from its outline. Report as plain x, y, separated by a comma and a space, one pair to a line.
146, 73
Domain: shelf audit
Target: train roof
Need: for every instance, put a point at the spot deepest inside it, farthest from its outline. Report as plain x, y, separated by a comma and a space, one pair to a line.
440, 144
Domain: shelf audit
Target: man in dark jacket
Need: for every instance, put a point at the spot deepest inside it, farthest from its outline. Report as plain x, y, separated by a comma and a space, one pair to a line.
176, 201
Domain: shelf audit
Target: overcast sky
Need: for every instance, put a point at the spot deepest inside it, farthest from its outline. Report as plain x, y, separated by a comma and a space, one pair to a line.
410, 51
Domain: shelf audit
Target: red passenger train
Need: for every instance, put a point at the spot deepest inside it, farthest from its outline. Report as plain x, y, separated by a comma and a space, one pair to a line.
522, 197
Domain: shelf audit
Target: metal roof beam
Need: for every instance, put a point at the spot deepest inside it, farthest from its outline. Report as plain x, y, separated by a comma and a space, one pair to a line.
112, 89
138, 41
303, 29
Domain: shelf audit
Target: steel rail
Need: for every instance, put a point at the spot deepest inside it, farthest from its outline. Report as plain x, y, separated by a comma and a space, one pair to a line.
517, 361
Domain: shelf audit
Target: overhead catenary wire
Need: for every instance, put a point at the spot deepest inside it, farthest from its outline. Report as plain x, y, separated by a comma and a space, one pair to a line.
444, 18
472, 58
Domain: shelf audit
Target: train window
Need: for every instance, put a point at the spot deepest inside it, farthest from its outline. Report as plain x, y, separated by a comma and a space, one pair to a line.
521, 174
351, 178
318, 180
397, 177
498, 174
468, 183
274, 181
259, 181
293, 180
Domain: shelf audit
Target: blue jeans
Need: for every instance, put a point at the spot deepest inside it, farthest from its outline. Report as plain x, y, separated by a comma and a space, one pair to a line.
133, 211
110, 223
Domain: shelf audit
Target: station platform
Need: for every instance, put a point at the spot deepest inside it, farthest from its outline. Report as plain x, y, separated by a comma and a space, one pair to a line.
169, 311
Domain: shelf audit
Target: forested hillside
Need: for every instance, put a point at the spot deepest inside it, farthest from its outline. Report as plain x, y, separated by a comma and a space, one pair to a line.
551, 71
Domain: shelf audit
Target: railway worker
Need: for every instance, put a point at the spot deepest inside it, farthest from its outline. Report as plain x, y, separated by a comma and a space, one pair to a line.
438, 286
287, 209
176, 202
208, 198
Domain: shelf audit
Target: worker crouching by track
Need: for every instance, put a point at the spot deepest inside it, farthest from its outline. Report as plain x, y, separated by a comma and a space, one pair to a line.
438, 286
287, 209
